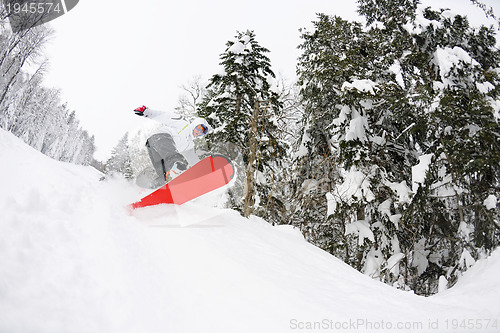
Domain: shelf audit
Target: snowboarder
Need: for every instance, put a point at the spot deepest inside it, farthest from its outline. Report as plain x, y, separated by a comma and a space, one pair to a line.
171, 150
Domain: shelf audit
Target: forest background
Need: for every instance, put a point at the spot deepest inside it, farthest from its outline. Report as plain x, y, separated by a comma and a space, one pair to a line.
385, 152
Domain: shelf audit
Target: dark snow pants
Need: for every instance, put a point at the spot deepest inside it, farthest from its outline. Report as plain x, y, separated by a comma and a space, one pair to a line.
163, 153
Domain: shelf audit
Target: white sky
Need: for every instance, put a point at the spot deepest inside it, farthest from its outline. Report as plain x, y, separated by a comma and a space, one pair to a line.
110, 57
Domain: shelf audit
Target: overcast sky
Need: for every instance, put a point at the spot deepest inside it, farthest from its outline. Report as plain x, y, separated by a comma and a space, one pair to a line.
108, 57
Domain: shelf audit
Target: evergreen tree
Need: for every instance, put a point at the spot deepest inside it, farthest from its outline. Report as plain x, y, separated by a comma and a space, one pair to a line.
400, 123
242, 107
137, 149
120, 161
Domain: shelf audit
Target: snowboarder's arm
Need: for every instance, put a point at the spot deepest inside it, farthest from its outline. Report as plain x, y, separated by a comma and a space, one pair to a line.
160, 116
150, 113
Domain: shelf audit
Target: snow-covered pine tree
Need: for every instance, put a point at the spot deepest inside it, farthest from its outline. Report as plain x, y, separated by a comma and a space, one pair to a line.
137, 149
462, 137
403, 109
242, 107
120, 161
330, 57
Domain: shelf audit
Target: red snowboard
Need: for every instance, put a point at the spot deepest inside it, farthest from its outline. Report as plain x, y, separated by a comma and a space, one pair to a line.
207, 175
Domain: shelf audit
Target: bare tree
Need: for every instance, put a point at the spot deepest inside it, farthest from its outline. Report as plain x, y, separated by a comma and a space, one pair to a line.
193, 93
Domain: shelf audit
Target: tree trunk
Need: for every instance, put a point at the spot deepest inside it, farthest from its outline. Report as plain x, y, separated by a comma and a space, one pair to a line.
252, 159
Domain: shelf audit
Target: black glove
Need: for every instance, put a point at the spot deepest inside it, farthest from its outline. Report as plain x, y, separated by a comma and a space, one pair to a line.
140, 110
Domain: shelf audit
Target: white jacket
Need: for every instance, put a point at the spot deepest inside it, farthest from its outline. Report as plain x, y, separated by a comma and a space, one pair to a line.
180, 129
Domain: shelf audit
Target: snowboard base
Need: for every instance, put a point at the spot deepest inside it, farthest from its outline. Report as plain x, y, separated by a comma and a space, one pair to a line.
205, 176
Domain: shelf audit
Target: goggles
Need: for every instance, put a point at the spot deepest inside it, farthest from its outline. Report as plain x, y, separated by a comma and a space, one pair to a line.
200, 130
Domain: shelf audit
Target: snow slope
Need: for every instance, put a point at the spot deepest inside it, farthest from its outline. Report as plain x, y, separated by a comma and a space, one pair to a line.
73, 260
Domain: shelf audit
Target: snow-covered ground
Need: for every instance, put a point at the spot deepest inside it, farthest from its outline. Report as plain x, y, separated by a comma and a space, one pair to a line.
73, 260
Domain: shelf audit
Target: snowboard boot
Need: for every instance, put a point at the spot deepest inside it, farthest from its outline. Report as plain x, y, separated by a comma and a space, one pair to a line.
177, 169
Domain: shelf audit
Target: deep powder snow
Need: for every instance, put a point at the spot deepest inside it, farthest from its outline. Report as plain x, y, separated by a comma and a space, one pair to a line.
73, 260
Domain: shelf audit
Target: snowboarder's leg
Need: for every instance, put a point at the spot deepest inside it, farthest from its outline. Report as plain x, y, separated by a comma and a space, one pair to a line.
164, 155
156, 160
